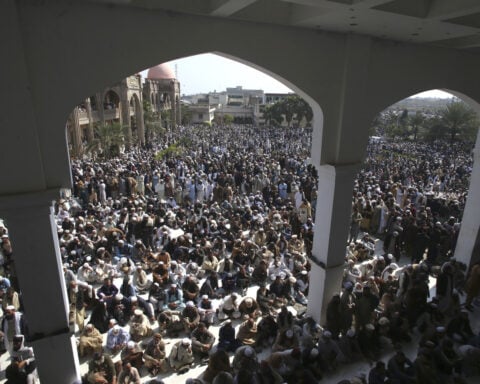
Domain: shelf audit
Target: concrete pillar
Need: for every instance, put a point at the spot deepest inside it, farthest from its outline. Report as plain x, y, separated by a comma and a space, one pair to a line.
332, 219
32, 228
468, 248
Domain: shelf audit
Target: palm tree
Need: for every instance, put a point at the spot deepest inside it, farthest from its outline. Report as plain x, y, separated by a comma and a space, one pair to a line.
108, 140
416, 121
459, 120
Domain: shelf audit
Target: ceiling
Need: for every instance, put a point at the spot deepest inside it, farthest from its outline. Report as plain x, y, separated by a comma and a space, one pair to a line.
448, 23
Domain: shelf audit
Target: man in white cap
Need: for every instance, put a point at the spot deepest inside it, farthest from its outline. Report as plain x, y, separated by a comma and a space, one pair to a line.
117, 338
328, 351
139, 326
12, 324
140, 280
181, 356
245, 359
229, 307
249, 307
91, 341
101, 370
132, 354
22, 358
287, 339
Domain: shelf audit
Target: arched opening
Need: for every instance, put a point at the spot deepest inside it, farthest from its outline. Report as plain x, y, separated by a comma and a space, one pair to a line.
276, 148
111, 107
410, 203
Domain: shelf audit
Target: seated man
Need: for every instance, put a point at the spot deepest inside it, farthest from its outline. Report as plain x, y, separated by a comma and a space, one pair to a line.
139, 326
401, 369
107, 291
174, 299
160, 274
181, 356
117, 339
129, 374
119, 309
154, 355
202, 341
265, 300
190, 288
229, 307
156, 297
247, 332
91, 341
226, 337
286, 339
206, 310
249, 307
140, 280
101, 370
132, 354
285, 363
245, 359
170, 322
190, 317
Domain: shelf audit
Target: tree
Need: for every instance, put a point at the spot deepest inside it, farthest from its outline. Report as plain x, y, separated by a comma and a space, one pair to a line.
416, 122
273, 114
108, 139
288, 109
227, 119
459, 120
389, 124
224, 119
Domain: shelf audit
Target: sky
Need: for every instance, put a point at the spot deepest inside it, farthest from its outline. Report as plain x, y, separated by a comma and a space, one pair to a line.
209, 72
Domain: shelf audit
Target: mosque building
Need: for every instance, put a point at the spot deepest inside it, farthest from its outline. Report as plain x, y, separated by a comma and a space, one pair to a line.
122, 103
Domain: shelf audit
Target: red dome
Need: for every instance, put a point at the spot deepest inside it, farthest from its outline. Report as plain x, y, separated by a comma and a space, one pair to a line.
160, 72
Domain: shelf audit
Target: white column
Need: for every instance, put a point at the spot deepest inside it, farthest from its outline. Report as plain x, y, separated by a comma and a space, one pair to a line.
36, 254
332, 221
468, 244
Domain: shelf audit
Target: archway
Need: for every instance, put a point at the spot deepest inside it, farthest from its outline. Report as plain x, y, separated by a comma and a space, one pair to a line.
413, 189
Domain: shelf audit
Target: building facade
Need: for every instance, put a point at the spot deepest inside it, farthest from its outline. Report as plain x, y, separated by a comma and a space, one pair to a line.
123, 103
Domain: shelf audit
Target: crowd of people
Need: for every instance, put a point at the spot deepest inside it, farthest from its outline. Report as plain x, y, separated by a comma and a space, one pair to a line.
158, 250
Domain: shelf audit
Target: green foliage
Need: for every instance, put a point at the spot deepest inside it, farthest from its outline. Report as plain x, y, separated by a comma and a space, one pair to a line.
171, 150
415, 122
108, 140
291, 108
459, 120
455, 121
224, 119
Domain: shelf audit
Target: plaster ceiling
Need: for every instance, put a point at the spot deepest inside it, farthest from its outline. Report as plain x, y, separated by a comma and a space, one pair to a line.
448, 23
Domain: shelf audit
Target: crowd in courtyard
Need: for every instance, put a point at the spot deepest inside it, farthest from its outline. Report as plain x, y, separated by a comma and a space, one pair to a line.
159, 250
